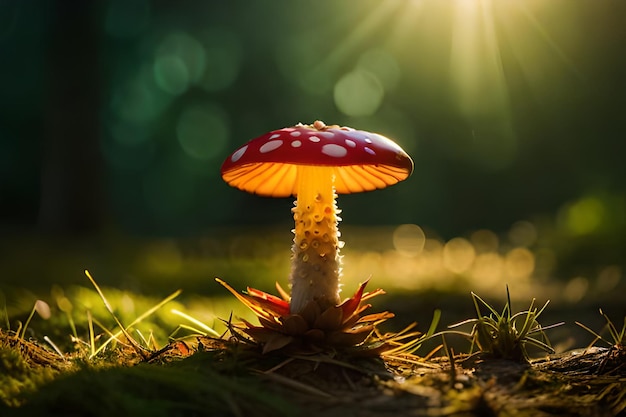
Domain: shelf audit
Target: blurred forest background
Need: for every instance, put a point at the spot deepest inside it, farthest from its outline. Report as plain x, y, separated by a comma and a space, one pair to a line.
115, 117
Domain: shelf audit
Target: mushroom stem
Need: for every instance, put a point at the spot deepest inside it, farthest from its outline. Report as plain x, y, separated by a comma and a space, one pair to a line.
316, 264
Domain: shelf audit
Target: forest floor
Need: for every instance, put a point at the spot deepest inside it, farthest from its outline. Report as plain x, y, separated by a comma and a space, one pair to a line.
224, 377
220, 377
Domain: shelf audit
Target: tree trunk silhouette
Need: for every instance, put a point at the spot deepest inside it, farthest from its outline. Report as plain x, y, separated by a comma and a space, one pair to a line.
71, 177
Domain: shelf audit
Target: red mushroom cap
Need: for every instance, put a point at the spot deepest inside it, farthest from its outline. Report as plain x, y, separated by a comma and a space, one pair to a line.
359, 160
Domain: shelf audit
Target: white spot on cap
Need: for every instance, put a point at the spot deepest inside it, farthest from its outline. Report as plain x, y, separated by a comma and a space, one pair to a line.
270, 146
274, 136
314, 139
296, 143
295, 134
327, 135
368, 140
334, 150
369, 151
238, 153
351, 143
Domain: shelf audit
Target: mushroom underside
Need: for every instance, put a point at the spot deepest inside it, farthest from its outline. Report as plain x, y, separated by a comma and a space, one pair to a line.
277, 179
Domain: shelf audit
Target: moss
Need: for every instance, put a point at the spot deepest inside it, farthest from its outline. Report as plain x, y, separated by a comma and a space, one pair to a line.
18, 377
36, 382
187, 387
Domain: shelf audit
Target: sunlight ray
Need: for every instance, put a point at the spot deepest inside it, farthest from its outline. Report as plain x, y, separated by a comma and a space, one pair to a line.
407, 21
475, 62
479, 86
356, 36
543, 33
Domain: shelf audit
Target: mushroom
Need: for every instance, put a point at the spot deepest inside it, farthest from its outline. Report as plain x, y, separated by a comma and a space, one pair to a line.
315, 163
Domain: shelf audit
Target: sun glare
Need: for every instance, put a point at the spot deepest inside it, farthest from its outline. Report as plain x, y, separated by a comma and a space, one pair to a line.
466, 53
475, 65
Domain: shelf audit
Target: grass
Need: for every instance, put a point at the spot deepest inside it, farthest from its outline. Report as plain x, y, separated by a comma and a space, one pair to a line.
117, 370
103, 350
617, 338
191, 386
507, 335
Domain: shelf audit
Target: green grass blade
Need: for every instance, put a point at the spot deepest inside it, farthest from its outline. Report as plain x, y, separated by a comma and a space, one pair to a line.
30, 317
434, 322
598, 337
123, 330
476, 297
207, 329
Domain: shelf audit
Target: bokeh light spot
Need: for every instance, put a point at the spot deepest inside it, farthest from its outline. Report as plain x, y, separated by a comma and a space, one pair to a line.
170, 74
64, 304
523, 233
409, 239
224, 55
140, 99
519, 263
609, 278
458, 255
187, 50
484, 241
583, 216
383, 65
487, 270
202, 131
127, 304
358, 93
576, 289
